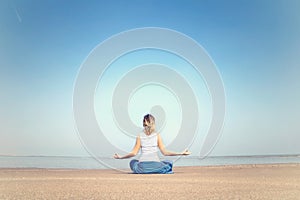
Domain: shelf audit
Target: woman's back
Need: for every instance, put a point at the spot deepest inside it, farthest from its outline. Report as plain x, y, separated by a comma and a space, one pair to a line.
149, 147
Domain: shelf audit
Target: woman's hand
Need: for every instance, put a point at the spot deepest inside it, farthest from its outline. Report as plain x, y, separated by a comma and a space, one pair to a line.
116, 156
186, 152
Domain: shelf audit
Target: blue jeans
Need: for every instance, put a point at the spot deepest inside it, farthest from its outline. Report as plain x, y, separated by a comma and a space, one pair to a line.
151, 167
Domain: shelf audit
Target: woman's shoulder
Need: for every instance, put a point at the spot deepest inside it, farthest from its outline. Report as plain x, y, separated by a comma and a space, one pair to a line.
144, 135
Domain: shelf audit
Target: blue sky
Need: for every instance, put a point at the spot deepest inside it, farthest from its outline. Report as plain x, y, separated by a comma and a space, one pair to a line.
255, 45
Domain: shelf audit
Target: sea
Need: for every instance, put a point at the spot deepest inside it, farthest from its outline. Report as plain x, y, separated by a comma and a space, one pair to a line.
71, 162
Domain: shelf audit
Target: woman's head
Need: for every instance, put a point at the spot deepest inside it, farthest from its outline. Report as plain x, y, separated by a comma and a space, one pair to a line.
149, 124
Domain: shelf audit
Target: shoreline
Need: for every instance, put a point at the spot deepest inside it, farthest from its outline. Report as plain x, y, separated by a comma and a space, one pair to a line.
92, 163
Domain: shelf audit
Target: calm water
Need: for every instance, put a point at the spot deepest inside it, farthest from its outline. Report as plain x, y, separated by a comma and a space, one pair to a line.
91, 163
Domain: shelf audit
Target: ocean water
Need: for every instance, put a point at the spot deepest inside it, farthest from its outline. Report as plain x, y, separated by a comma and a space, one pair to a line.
64, 162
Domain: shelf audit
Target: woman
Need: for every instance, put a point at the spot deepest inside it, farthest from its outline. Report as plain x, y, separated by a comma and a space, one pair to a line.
149, 142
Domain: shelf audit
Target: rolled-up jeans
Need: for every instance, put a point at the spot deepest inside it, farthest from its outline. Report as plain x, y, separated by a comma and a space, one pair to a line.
151, 167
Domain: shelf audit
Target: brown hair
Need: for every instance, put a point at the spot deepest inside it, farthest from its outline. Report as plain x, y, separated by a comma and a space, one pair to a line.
149, 124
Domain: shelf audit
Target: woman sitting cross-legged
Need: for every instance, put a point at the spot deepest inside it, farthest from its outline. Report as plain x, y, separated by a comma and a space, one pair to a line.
149, 142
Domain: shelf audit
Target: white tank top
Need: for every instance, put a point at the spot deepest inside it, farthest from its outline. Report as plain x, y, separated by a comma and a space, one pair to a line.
149, 148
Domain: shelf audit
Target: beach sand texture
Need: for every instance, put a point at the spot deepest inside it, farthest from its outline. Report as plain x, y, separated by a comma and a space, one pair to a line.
217, 182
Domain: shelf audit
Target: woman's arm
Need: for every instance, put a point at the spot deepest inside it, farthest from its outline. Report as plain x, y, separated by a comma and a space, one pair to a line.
134, 151
165, 152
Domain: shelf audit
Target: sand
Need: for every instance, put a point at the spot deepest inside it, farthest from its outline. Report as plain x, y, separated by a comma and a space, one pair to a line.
218, 182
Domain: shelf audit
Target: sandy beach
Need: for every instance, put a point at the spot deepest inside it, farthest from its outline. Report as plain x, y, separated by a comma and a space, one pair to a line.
215, 182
